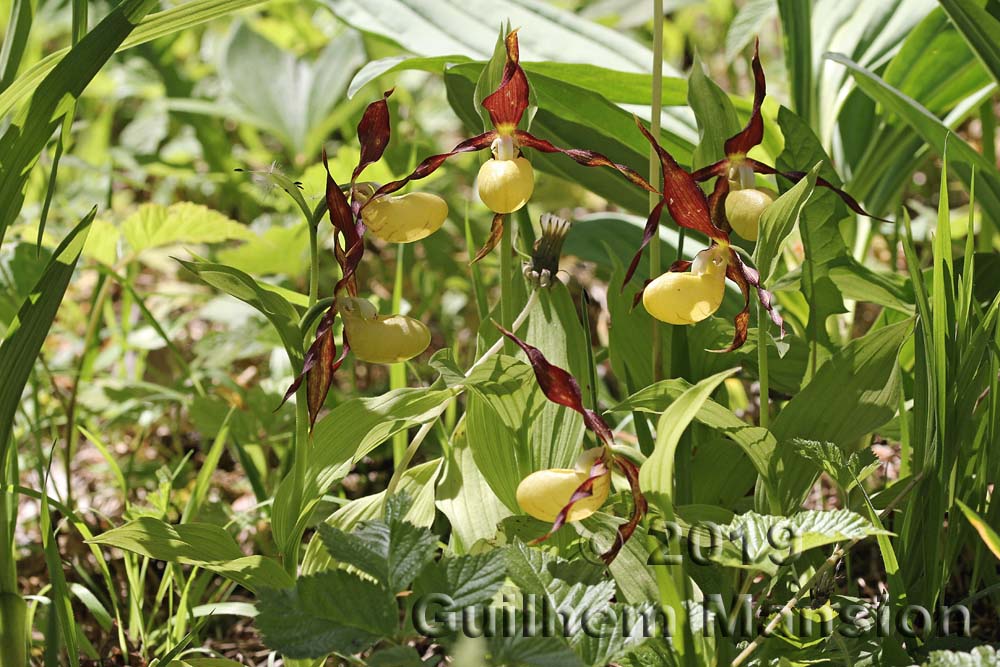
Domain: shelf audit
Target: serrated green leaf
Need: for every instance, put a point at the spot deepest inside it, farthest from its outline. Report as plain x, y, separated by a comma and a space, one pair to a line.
332, 611
764, 542
467, 580
393, 553
155, 225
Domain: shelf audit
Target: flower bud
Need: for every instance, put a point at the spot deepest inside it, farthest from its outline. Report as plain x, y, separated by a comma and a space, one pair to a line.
505, 185
744, 208
687, 298
544, 265
544, 494
381, 339
405, 218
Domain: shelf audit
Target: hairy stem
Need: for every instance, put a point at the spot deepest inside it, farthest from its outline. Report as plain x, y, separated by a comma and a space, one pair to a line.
654, 165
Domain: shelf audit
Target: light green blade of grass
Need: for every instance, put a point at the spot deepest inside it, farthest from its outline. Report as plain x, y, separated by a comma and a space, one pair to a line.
796, 28
932, 131
55, 96
62, 603
18, 28
160, 24
208, 467
980, 29
989, 535
27, 333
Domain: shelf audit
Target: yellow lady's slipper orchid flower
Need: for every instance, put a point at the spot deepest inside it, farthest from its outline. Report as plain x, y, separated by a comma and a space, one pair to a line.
744, 208
381, 339
406, 218
505, 182
545, 493
687, 298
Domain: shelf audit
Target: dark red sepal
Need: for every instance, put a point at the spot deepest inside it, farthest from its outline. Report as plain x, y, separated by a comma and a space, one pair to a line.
430, 164
685, 201
562, 388
751, 135
348, 245
585, 490
373, 134
585, 157
639, 509
319, 366
507, 104
496, 231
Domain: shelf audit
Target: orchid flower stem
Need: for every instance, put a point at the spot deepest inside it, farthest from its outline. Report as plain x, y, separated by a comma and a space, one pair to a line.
313, 263
397, 372
506, 281
404, 462
765, 406
654, 164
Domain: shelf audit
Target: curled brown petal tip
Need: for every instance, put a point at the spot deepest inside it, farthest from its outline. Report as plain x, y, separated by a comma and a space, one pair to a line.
496, 230
639, 509
796, 176
586, 489
373, 133
753, 133
429, 165
587, 158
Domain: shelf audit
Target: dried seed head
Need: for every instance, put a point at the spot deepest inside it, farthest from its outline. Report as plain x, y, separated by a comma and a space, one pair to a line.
548, 248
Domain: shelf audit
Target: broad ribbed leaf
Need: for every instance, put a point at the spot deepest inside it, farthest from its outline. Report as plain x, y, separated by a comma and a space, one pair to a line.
657, 473
202, 544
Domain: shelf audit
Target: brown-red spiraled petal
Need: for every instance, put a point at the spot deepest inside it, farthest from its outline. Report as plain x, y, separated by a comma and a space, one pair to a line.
717, 204
430, 164
585, 157
639, 509
680, 266
585, 490
347, 229
747, 277
685, 200
319, 366
507, 104
373, 133
796, 176
496, 231
718, 169
753, 133
561, 387
652, 224
742, 320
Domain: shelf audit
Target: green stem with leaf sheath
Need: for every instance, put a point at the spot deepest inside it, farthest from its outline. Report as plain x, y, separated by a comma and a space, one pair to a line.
654, 165
507, 281
765, 415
